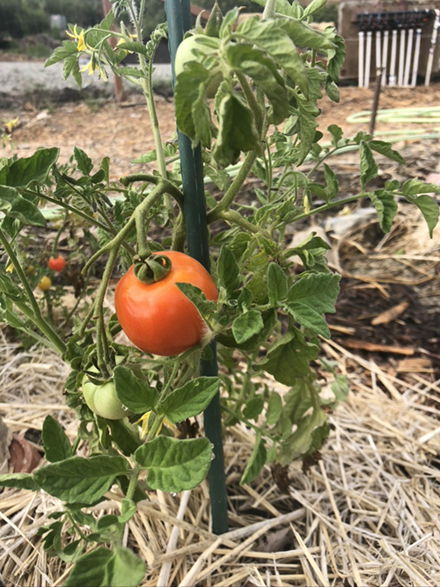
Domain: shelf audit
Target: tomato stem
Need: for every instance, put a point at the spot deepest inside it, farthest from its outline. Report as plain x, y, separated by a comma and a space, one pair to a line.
232, 191
152, 269
133, 481
141, 210
102, 347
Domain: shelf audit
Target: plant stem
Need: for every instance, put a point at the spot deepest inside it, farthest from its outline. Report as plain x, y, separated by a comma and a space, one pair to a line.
59, 231
325, 207
101, 337
141, 210
232, 191
35, 315
233, 217
133, 481
269, 9
147, 88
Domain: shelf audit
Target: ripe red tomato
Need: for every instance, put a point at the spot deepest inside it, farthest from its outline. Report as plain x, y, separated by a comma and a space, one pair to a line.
157, 317
56, 263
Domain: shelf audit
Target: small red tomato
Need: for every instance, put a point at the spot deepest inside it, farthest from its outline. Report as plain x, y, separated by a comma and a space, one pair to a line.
56, 263
157, 317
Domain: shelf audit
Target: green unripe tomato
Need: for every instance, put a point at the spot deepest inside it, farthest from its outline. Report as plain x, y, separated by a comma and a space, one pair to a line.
102, 399
188, 51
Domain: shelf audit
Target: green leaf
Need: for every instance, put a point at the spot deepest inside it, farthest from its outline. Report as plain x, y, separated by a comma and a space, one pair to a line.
254, 407
228, 270
314, 6
276, 41
289, 358
190, 84
331, 183
312, 253
335, 55
80, 480
276, 283
263, 70
101, 567
368, 167
14, 205
169, 150
305, 36
67, 48
310, 297
189, 400
175, 465
386, 208
284, 7
274, 408
332, 90
311, 432
134, 393
19, 480
25, 170
386, 150
228, 22
83, 161
256, 461
429, 208
128, 510
71, 67
195, 295
124, 435
56, 444
136, 47
247, 325
414, 187
237, 131
336, 134
307, 113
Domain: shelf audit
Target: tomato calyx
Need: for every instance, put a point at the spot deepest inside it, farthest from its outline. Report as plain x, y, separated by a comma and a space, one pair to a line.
151, 269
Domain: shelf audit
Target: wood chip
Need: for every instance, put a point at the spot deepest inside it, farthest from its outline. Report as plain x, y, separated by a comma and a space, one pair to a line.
390, 314
377, 348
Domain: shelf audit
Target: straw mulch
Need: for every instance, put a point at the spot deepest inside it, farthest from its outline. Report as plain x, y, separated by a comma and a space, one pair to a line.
366, 513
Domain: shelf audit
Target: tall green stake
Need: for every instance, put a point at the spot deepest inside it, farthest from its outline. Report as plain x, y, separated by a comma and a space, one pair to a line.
194, 209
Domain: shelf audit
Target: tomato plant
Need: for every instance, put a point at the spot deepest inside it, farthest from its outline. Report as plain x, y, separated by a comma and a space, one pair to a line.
265, 305
157, 317
56, 263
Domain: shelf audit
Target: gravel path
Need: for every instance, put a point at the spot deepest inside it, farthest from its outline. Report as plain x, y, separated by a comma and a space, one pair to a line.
18, 78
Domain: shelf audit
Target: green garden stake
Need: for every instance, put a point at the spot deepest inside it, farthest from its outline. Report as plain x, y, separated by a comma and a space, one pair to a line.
194, 209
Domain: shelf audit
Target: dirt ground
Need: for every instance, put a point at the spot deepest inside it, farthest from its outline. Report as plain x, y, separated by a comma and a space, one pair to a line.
374, 280
123, 132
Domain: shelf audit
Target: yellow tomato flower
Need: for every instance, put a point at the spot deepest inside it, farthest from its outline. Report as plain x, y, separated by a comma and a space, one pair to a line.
89, 67
79, 37
10, 268
121, 41
10, 125
145, 424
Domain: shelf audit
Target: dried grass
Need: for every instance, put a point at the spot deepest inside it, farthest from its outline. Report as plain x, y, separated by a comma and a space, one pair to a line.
366, 514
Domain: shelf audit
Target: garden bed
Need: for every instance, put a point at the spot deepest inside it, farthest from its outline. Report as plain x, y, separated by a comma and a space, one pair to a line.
363, 513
